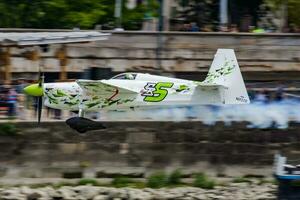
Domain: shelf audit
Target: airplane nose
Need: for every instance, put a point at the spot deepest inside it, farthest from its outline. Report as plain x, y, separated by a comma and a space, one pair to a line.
34, 90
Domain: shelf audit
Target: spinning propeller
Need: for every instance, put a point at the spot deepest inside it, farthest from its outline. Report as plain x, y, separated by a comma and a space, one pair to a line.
37, 90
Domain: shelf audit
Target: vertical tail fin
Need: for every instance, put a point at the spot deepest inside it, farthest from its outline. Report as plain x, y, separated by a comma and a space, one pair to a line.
225, 71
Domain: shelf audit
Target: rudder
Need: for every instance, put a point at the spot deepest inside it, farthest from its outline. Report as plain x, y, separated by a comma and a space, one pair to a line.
225, 71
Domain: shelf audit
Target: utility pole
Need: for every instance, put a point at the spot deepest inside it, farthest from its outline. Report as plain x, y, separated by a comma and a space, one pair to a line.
160, 28
118, 13
167, 14
284, 17
223, 13
161, 15
5, 57
62, 56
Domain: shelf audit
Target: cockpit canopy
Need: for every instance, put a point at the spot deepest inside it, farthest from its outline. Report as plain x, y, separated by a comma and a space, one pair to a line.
125, 76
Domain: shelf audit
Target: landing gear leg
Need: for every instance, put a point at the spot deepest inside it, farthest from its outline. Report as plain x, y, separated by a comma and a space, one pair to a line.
81, 113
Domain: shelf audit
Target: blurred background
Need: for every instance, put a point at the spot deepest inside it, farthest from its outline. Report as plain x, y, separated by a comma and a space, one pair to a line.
176, 38
178, 15
172, 37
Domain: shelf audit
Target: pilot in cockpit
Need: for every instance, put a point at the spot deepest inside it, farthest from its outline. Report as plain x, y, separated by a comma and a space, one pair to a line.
129, 76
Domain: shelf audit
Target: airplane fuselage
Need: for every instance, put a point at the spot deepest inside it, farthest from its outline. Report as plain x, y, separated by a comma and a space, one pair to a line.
150, 92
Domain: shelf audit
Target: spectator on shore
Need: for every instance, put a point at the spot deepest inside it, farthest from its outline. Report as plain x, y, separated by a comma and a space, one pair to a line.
190, 27
12, 101
258, 30
21, 112
207, 28
261, 97
186, 27
279, 95
194, 27
223, 29
20, 85
233, 28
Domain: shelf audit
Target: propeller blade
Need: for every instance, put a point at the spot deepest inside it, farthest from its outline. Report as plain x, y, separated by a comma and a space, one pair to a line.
41, 87
40, 98
39, 76
41, 79
40, 108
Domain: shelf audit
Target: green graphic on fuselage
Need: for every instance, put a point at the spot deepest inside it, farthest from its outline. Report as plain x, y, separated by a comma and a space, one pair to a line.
156, 92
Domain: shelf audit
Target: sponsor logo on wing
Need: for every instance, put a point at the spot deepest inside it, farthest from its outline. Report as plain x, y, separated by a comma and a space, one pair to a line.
242, 99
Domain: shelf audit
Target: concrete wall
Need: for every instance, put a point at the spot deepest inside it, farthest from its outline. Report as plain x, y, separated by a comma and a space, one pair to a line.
137, 148
182, 52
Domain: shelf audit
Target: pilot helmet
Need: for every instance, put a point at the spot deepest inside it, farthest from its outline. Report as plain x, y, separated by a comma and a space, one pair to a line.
129, 76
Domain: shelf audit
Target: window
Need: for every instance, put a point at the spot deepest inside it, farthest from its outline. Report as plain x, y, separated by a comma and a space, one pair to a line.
125, 76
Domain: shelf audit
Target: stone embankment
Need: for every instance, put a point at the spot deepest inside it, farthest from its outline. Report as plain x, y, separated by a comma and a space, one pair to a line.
236, 191
136, 149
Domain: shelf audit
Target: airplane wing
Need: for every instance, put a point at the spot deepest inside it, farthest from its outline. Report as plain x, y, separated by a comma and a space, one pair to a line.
101, 87
43, 38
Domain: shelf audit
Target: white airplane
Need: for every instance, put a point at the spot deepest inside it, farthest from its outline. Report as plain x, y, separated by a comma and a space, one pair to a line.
129, 91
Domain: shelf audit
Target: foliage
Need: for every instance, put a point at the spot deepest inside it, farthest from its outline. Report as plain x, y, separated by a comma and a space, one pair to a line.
293, 12
121, 181
83, 14
84, 164
202, 181
126, 182
295, 183
157, 180
132, 18
86, 181
175, 178
57, 185
241, 180
7, 129
203, 13
293, 8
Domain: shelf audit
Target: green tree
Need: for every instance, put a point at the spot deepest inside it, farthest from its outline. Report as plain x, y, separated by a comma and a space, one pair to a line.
293, 9
202, 12
84, 14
